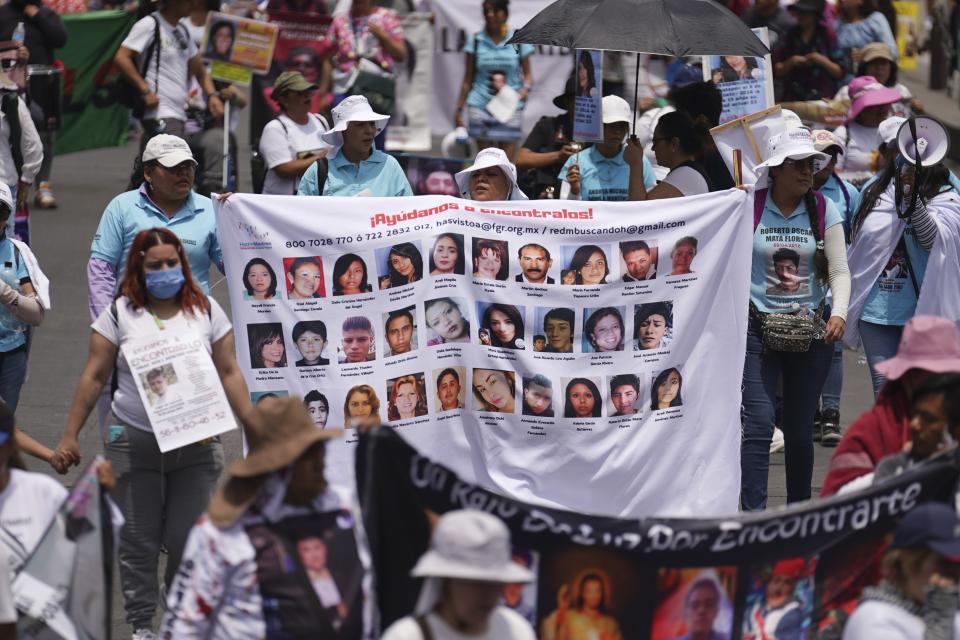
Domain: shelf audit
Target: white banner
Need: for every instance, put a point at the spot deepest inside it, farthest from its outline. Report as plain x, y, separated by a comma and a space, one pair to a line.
410, 123
458, 20
618, 394
180, 388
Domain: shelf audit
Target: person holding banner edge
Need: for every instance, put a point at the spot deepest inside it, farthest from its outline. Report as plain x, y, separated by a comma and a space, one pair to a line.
160, 494
790, 213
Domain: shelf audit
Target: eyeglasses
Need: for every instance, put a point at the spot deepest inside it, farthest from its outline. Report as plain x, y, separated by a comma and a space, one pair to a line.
804, 164
656, 140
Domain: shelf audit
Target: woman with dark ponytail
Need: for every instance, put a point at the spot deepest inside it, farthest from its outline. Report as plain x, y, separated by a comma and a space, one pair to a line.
678, 143
798, 247
892, 235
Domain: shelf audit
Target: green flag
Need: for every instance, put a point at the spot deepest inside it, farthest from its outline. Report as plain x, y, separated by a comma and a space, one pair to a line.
92, 117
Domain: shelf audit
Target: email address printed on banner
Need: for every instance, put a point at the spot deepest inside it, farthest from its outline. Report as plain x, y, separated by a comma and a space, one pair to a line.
632, 229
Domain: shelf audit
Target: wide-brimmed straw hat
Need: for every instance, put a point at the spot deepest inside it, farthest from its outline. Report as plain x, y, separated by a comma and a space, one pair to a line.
352, 109
279, 430
491, 157
866, 91
930, 343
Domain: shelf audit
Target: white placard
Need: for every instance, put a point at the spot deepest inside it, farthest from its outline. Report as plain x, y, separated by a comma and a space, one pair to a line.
180, 388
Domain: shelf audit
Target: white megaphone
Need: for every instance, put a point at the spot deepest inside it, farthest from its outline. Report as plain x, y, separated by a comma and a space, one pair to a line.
929, 144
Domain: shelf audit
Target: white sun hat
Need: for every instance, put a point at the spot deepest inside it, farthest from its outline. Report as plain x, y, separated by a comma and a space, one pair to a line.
795, 144
168, 150
491, 157
352, 109
888, 130
468, 545
791, 120
6, 196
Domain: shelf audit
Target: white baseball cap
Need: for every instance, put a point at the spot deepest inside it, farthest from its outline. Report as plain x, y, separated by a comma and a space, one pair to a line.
491, 157
6, 196
615, 109
168, 150
823, 140
888, 130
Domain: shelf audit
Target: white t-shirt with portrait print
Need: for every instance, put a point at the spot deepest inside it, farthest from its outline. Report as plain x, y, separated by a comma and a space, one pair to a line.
177, 48
28, 505
284, 140
133, 324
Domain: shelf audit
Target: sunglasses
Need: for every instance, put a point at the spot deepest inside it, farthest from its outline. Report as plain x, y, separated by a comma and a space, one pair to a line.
808, 164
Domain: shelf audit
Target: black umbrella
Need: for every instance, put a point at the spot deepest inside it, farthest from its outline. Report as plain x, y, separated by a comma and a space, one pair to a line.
671, 27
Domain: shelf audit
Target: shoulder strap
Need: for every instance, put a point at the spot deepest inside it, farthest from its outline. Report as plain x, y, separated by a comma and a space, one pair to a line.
323, 168
11, 109
152, 48
424, 627
759, 199
114, 379
821, 211
844, 191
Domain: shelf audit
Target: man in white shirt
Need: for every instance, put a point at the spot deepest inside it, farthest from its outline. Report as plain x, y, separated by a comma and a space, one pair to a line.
160, 68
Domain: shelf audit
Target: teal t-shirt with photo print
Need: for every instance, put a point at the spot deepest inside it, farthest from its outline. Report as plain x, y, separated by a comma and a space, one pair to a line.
793, 238
893, 300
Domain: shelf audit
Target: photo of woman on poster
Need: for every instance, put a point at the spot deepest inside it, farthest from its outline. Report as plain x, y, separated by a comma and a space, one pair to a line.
603, 330
494, 391
446, 319
259, 280
361, 408
447, 257
733, 68
490, 259
404, 266
684, 251
586, 75
666, 391
350, 276
590, 265
267, 350
407, 398
582, 399
220, 44
502, 326
304, 277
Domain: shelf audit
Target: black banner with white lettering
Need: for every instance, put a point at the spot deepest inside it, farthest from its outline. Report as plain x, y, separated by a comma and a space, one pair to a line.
791, 572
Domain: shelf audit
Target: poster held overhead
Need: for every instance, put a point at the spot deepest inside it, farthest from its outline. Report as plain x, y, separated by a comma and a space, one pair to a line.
745, 82
587, 118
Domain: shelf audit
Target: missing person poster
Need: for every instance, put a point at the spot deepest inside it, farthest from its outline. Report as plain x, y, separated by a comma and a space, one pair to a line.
745, 83
180, 388
237, 47
534, 343
587, 117
790, 573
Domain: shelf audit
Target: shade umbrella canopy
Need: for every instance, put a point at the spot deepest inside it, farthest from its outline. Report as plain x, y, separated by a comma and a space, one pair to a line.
669, 27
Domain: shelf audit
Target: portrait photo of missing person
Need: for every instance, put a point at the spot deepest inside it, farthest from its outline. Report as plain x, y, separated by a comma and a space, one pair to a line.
357, 341
433, 177
589, 593
494, 391
304, 277
539, 342
161, 386
625, 396
535, 263
667, 390
400, 329
310, 338
447, 319
257, 396
603, 330
259, 280
694, 603
406, 397
522, 598
318, 407
652, 325
639, 260
780, 601
267, 348
490, 259
682, 255
784, 275
400, 265
450, 384
447, 257
501, 325
220, 42
586, 264
582, 398
557, 326
538, 396
350, 276
361, 408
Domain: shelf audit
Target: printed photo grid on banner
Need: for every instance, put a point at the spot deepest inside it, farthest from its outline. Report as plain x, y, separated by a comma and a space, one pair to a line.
792, 573
555, 347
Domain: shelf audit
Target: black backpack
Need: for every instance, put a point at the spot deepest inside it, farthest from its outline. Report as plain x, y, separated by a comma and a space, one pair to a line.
128, 95
10, 105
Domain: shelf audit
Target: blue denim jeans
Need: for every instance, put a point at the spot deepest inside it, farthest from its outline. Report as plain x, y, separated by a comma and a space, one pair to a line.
830, 397
880, 342
13, 370
803, 376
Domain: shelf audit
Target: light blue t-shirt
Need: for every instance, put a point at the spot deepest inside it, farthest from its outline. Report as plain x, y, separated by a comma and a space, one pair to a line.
494, 58
783, 277
873, 28
846, 205
10, 340
606, 179
133, 211
380, 173
893, 300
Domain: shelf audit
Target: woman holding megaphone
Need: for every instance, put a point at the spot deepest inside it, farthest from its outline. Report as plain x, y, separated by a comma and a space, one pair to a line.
897, 224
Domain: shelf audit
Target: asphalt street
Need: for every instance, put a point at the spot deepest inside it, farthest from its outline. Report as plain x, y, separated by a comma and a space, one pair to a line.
84, 183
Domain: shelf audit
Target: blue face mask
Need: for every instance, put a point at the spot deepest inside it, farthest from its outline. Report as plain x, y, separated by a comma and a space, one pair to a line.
166, 283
